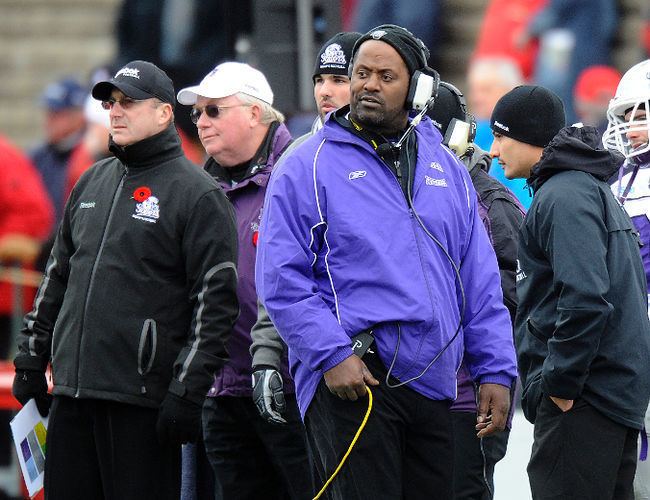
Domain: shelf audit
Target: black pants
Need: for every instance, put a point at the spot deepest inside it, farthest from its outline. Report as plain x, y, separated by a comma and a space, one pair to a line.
253, 458
474, 458
404, 452
106, 450
581, 454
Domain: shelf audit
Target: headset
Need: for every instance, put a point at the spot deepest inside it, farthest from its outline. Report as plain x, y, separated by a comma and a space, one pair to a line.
460, 132
425, 82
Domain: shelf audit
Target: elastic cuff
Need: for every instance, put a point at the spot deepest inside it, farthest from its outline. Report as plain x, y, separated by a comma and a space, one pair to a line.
338, 357
265, 356
178, 389
501, 379
562, 391
30, 363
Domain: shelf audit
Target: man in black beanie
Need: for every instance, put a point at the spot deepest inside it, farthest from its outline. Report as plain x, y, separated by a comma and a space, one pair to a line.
530, 116
581, 328
362, 238
331, 79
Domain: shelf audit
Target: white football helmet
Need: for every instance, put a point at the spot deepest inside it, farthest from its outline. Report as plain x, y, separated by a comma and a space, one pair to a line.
632, 94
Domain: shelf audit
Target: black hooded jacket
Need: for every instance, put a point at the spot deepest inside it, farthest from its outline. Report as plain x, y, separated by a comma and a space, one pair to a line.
582, 327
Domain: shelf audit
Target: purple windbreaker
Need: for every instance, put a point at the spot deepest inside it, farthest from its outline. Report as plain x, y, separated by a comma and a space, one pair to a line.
247, 197
340, 251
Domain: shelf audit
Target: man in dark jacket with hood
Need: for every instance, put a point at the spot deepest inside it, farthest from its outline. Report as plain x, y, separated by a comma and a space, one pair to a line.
582, 330
136, 305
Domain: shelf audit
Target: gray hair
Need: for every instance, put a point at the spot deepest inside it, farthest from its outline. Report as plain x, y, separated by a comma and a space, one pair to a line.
269, 113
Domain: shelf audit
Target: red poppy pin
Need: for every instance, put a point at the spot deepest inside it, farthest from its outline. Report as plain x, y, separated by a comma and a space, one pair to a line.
141, 194
255, 237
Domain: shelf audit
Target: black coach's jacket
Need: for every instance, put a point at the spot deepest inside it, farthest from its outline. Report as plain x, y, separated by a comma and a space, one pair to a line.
582, 327
139, 294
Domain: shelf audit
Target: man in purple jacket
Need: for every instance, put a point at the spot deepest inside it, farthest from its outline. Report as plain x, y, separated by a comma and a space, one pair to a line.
244, 136
358, 235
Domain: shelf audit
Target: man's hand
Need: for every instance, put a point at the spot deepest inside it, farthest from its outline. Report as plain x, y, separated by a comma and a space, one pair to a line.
348, 379
268, 395
179, 420
563, 404
31, 384
493, 406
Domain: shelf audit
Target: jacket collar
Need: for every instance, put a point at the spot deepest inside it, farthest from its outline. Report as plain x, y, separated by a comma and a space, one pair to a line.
149, 152
276, 141
333, 130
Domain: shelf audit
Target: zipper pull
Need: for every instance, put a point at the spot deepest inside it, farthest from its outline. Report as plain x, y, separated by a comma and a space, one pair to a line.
398, 169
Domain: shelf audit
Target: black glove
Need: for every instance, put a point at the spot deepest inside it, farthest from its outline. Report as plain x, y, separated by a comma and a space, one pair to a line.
179, 420
31, 384
268, 395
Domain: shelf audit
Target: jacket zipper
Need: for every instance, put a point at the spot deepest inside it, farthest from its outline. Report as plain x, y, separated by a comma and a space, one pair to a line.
118, 191
398, 179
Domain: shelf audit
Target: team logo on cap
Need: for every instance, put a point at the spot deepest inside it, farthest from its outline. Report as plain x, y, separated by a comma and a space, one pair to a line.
377, 34
132, 72
333, 54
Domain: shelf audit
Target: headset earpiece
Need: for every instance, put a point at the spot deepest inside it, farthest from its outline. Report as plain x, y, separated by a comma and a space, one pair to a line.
420, 91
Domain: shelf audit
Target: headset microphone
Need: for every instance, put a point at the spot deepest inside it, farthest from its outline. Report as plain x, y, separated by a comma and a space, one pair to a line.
386, 147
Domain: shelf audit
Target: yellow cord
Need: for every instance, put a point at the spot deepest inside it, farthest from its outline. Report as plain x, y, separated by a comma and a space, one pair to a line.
354, 441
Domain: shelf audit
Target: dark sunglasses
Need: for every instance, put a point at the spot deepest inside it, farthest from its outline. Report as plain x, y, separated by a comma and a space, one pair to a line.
212, 110
125, 102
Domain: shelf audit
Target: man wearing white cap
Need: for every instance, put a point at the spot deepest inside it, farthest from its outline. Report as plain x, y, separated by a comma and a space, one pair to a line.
244, 135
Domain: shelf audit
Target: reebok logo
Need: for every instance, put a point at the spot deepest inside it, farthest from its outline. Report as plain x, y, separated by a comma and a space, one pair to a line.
132, 72
501, 126
357, 174
87, 204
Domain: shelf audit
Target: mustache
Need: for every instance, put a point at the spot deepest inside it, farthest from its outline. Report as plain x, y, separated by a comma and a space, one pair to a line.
370, 97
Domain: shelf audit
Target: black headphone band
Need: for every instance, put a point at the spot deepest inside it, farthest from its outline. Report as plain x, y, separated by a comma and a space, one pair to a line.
459, 95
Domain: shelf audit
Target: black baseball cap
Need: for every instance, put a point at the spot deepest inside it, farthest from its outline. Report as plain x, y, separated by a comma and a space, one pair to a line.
138, 80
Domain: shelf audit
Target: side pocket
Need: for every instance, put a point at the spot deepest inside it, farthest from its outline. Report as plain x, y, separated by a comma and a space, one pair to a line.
531, 398
147, 347
536, 332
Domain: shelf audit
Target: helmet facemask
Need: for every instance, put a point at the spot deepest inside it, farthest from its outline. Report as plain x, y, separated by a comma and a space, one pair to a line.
617, 135
632, 100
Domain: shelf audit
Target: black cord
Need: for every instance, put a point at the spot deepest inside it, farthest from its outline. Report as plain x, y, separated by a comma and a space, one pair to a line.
409, 199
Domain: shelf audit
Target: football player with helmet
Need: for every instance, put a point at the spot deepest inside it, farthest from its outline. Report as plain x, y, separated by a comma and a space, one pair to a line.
627, 132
